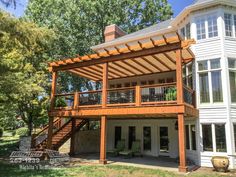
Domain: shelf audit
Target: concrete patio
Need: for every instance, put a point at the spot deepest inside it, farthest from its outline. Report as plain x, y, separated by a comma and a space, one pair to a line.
163, 163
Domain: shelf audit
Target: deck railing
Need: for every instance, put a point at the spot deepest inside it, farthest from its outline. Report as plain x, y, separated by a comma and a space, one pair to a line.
127, 96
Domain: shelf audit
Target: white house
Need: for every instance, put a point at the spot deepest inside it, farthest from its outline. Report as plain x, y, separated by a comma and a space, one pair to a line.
212, 23
212, 132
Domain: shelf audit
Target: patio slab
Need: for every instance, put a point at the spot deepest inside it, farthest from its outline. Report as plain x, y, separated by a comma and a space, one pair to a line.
162, 163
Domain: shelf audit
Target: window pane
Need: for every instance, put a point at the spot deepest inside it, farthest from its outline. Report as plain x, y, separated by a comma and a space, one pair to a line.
202, 65
147, 138
212, 26
132, 136
235, 136
215, 64
204, 88
201, 31
187, 137
183, 31
216, 86
235, 24
193, 134
232, 79
232, 63
188, 34
220, 138
228, 24
207, 138
117, 135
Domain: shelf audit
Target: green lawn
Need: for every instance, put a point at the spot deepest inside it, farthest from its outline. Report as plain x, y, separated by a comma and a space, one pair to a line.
7, 144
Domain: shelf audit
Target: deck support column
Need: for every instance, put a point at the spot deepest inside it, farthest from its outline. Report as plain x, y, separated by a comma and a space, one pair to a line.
72, 140
103, 123
182, 151
104, 85
52, 104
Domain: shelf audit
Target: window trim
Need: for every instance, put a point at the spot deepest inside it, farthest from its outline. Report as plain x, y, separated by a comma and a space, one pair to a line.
231, 70
190, 137
209, 72
213, 132
206, 26
233, 23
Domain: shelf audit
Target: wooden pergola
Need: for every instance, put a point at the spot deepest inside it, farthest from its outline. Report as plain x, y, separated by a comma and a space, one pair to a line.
158, 54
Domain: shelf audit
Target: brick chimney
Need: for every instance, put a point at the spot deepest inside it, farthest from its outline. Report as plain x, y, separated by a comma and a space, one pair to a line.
112, 32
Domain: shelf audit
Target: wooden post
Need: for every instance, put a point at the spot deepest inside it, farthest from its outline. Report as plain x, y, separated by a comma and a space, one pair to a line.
53, 90
138, 95
76, 100
179, 78
182, 151
104, 84
103, 123
50, 133
72, 140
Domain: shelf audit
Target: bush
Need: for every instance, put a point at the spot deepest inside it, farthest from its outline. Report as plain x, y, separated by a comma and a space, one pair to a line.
1, 131
13, 132
22, 131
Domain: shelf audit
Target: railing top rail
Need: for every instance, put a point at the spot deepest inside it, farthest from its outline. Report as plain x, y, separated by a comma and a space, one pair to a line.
46, 127
188, 88
122, 88
159, 85
92, 91
64, 94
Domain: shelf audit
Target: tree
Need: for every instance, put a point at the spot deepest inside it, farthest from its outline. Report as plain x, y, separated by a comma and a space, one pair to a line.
24, 82
80, 24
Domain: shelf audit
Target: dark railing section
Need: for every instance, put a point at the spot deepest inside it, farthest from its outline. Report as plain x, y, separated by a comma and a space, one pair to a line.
189, 95
159, 93
64, 100
90, 98
121, 95
130, 96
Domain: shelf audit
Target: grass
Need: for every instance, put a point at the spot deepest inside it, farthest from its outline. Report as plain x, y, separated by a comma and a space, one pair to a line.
8, 144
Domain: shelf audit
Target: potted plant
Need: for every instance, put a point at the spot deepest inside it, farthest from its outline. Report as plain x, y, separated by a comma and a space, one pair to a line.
220, 163
171, 94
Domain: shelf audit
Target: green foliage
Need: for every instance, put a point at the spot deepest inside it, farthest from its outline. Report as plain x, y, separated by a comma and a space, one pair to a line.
23, 131
13, 132
79, 24
171, 94
1, 131
60, 102
24, 87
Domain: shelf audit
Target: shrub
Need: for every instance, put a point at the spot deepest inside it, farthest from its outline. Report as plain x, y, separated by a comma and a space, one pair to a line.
1, 131
13, 132
23, 131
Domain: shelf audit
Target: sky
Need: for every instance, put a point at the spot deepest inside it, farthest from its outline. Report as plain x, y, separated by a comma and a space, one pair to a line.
177, 6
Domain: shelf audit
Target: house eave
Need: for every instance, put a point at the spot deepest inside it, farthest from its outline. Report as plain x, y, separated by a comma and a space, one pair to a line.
195, 7
133, 39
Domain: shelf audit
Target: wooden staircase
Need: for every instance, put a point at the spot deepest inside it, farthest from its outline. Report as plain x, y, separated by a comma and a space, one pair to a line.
61, 135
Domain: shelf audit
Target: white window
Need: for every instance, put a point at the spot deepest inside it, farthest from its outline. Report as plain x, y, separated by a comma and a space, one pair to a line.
210, 83
201, 28
188, 75
207, 26
185, 31
190, 137
228, 24
232, 78
214, 132
235, 25
212, 26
